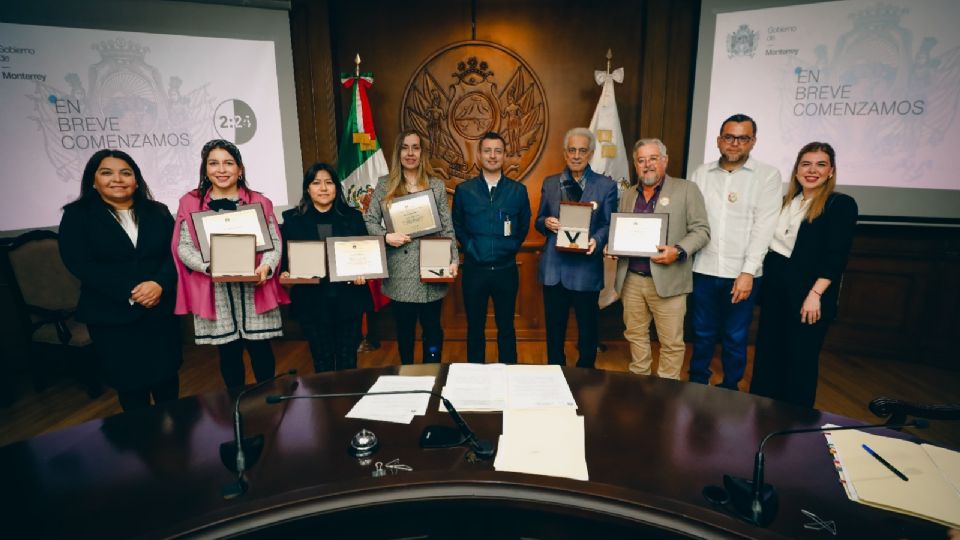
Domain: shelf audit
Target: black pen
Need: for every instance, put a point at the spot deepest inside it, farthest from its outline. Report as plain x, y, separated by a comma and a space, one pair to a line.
885, 463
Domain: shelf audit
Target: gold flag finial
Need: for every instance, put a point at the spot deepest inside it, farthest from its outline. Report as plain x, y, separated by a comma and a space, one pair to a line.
609, 58
357, 62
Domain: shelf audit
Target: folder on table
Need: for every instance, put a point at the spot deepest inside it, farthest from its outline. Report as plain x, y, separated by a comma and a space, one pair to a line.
932, 490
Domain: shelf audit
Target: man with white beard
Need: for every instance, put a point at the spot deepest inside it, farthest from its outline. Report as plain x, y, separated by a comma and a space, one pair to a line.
657, 287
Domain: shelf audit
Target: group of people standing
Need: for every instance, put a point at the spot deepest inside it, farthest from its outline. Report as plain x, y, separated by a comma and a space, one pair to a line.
727, 226
733, 216
139, 266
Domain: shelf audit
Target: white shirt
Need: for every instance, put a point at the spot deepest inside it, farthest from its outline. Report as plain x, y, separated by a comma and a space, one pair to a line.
788, 225
125, 217
742, 208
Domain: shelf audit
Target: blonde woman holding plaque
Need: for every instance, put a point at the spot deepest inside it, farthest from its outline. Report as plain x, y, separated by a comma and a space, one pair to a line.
412, 300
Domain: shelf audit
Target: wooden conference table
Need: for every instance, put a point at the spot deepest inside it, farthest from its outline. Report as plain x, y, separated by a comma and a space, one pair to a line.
651, 445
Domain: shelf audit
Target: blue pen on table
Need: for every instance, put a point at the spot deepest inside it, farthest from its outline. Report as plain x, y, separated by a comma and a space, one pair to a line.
885, 463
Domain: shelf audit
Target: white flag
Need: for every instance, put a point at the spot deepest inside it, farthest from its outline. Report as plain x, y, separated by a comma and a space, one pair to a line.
610, 157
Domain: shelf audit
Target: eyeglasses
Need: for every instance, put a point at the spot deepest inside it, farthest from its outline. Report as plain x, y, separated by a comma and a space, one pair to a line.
742, 139
652, 160
578, 151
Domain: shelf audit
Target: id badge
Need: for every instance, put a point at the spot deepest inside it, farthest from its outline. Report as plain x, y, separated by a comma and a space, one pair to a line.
507, 227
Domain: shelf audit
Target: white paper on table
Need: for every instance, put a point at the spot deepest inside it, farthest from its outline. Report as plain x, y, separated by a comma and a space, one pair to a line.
475, 398
543, 441
400, 408
637, 234
400, 417
476, 374
534, 420
476, 387
530, 386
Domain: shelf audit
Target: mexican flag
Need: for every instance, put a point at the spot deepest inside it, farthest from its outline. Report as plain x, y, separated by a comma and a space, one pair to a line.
361, 160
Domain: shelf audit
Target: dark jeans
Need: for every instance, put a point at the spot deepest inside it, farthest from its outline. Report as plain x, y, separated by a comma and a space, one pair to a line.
557, 301
481, 283
231, 361
405, 315
715, 317
139, 398
333, 343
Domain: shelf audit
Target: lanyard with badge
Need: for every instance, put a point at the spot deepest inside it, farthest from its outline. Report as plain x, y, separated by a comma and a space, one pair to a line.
507, 225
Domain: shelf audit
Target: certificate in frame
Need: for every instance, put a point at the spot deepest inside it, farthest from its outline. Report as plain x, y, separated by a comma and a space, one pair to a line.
415, 214
306, 262
246, 219
233, 258
637, 235
435, 259
351, 257
574, 233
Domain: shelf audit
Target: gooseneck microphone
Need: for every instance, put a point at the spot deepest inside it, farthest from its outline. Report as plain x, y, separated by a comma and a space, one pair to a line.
757, 502
432, 436
241, 453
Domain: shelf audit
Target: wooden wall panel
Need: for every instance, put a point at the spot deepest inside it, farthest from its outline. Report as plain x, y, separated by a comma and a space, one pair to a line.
901, 295
315, 81
667, 89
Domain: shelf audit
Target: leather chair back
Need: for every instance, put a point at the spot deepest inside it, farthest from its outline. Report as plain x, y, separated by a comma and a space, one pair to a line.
50, 292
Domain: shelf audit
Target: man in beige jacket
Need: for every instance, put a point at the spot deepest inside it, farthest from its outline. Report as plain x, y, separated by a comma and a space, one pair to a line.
656, 287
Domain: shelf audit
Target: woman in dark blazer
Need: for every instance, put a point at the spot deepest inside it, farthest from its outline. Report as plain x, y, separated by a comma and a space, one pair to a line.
116, 239
330, 314
802, 274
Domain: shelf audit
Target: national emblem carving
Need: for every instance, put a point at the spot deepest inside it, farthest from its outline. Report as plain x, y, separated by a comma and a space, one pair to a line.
467, 89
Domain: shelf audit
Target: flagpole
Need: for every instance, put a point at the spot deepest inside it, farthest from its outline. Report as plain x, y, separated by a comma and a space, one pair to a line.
366, 344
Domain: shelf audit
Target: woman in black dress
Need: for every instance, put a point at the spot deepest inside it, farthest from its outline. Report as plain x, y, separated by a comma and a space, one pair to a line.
801, 278
330, 314
116, 239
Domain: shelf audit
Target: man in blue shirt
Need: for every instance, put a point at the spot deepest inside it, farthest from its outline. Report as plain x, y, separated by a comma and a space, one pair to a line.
491, 217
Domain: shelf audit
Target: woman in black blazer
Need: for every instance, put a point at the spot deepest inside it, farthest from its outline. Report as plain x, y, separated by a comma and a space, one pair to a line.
330, 314
116, 239
801, 278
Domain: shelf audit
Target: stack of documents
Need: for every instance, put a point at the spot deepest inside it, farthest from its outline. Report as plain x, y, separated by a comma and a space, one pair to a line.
398, 408
476, 387
498, 387
542, 433
932, 488
547, 441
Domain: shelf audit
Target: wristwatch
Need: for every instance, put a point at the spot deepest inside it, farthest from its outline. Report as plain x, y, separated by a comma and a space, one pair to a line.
681, 253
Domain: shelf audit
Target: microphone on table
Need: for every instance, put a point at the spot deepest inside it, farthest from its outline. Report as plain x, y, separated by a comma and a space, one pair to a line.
241, 453
432, 436
757, 502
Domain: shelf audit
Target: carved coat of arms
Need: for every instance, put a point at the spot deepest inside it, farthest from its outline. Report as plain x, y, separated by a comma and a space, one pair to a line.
467, 89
